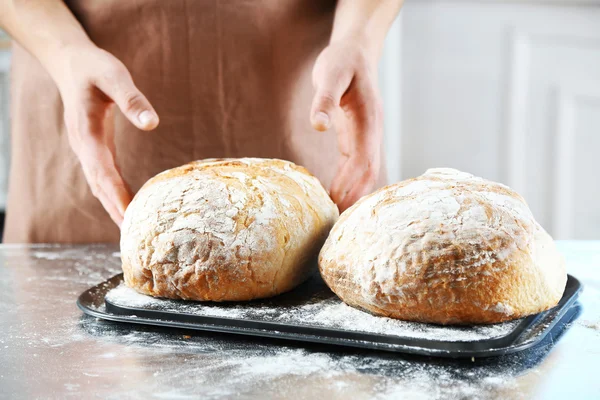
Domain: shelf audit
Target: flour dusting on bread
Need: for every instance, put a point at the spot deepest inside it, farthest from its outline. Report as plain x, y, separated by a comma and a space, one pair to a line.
231, 229
445, 247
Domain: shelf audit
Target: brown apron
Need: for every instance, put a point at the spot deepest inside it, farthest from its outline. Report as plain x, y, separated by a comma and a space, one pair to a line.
228, 78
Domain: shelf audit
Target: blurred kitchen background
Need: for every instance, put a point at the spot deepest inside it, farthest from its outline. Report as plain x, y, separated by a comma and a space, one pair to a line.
508, 90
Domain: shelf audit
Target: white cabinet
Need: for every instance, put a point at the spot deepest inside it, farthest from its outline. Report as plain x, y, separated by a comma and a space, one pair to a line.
506, 90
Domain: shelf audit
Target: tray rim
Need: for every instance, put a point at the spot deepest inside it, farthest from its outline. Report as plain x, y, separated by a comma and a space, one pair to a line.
269, 329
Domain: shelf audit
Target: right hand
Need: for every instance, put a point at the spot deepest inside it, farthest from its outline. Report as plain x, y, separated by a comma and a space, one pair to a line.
347, 96
91, 81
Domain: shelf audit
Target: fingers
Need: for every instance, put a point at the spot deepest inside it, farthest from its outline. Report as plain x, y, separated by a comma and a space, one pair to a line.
106, 183
363, 130
118, 85
359, 140
90, 143
330, 83
346, 90
354, 179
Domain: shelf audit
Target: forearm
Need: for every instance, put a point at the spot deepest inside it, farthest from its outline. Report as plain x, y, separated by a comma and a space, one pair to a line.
44, 27
366, 21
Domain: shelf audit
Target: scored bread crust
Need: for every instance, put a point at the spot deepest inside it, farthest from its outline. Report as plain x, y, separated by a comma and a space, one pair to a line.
445, 248
225, 230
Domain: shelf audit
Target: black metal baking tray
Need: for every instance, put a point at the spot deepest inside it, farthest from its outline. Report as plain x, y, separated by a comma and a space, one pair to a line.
527, 333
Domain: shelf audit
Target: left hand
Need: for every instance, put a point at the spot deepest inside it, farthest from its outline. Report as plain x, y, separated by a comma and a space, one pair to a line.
347, 96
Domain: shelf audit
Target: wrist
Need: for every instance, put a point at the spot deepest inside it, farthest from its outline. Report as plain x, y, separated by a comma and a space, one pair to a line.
369, 46
366, 21
58, 59
358, 44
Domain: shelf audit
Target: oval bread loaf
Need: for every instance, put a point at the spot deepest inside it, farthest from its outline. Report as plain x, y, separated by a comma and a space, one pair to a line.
446, 248
225, 230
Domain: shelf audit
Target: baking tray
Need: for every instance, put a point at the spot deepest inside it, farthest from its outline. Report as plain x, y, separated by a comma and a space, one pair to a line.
519, 335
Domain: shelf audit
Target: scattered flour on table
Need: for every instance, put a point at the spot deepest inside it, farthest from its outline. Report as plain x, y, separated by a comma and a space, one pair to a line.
324, 313
164, 363
234, 367
591, 297
591, 325
223, 367
47, 255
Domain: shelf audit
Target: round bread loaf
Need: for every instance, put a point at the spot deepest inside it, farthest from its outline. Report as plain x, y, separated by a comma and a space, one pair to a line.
445, 248
225, 230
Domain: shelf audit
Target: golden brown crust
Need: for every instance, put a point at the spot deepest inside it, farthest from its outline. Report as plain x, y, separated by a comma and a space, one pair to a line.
444, 248
225, 230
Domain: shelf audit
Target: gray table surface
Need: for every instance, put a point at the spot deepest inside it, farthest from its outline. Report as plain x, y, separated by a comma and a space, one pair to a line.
49, 349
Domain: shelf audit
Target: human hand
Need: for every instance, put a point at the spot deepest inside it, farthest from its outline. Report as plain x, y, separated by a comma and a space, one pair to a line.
91, 81
347, 96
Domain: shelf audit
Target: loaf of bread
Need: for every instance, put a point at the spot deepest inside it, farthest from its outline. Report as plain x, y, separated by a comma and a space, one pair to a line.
445, 248
225, 230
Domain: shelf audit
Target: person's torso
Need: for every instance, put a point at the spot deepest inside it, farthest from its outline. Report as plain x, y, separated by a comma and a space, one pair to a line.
229, 78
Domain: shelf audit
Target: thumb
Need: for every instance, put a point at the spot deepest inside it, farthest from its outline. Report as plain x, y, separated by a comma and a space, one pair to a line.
134, 105
331, 84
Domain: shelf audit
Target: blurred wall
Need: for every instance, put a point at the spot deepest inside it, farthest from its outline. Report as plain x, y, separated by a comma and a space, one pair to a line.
4, 117
508, 90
